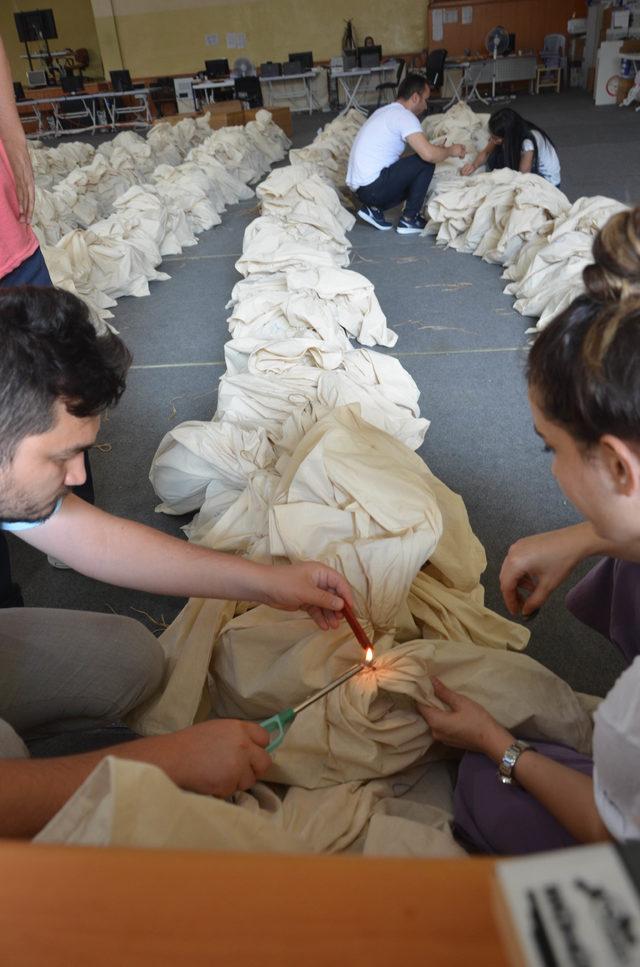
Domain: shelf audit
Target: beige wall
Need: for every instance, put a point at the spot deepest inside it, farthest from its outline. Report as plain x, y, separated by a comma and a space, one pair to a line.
168, 36
75, 25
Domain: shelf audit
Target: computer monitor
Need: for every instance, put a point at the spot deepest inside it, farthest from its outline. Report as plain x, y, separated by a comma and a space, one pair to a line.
35, 25
216, 69
71, 84
305, 59
37, 78
370, 56
121, 80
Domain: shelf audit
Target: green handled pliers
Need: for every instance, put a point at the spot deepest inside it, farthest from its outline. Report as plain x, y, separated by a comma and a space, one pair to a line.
278, 724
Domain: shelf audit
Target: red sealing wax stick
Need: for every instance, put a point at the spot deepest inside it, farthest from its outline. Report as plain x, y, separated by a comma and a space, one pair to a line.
356, 627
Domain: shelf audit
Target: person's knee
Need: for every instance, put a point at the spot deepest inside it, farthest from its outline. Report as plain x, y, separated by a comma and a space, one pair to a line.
139, 658
426, 168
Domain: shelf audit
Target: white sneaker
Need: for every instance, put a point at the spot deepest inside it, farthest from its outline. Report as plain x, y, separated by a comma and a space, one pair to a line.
56, 562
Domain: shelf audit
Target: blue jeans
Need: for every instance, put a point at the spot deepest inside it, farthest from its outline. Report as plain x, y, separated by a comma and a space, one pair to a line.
33, 271
405, 180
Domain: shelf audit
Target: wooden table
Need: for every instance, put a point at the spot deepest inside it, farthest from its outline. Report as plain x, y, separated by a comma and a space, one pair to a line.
71, 906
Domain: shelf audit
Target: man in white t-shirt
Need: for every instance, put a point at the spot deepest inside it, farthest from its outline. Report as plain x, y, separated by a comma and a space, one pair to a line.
377, 173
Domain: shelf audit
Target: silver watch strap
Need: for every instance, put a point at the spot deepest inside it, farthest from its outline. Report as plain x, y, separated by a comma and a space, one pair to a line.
508, 762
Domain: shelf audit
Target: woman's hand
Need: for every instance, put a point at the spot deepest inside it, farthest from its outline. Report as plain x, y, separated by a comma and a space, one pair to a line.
538, 564
468, 169
310, 587
466, 725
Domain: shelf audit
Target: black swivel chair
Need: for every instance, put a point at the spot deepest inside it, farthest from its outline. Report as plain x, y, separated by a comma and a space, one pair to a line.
435, 68
391, 86
434, 71
163, 92
248, 91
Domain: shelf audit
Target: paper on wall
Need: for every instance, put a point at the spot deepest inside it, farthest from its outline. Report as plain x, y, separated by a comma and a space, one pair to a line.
451, 16
467, 15
437, 32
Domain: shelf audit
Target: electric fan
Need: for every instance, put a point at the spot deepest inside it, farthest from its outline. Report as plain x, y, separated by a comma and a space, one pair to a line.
242, 67
496, 42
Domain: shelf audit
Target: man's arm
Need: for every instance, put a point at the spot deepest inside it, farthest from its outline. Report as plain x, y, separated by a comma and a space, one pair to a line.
214, 758
13, 137
131, 555
433, 152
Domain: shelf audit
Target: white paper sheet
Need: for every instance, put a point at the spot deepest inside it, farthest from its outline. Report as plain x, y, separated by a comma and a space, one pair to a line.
437, 20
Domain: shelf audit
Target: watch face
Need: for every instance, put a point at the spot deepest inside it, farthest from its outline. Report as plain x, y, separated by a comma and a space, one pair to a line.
511, 757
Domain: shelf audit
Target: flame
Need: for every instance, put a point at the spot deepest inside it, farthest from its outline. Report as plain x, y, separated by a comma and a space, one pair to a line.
368, 656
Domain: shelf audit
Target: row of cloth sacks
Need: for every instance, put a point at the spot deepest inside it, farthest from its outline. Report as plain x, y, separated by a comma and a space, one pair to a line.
164, 143
289, 476
519, 221
107, 225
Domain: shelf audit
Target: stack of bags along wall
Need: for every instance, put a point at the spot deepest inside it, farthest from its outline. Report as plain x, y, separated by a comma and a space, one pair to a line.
518, 220
105, 218
310, 456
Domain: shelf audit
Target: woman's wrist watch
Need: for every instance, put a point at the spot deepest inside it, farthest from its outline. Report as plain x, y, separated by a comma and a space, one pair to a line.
508, 762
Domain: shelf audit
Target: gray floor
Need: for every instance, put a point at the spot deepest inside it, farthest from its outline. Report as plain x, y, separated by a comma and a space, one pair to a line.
458, 337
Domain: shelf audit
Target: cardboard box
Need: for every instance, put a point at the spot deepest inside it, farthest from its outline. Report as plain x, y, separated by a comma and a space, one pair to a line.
630, 47
281, 116
220, 120
223, 107
624, 86
175, 118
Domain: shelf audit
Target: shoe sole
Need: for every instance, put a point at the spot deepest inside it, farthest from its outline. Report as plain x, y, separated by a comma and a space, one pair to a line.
405, 230
371, 221
55, 562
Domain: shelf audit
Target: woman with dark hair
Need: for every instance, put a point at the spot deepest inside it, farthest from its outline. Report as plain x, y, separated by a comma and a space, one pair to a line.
584, 390
519, 144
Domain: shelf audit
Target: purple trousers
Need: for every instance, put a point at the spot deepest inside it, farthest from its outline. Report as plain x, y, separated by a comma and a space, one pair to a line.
493, 818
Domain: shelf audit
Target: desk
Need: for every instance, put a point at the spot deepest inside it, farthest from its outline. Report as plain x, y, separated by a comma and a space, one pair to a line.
515, 67
208, 87
157, 908
307, 78
90, 103
357, 75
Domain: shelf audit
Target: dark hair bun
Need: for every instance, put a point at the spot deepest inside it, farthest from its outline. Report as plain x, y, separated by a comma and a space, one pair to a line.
615, 272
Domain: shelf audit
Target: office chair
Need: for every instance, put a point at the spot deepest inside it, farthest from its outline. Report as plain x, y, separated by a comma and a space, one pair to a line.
435, 68
391, 86
248, 90
163, 92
